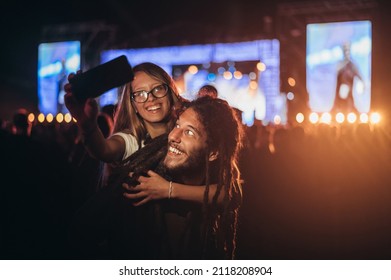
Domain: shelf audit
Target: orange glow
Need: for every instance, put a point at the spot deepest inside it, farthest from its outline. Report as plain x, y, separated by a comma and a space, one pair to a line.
227, 75
193, 69
272, 149
238, 75
261, 66
59, 118
253, 85
49, 118
31, 117
291, 81
41, 117
67, 118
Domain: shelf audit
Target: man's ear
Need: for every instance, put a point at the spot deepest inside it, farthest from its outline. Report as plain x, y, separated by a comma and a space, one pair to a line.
213, 156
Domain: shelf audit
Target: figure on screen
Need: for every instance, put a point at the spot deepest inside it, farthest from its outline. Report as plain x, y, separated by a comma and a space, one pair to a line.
349, 80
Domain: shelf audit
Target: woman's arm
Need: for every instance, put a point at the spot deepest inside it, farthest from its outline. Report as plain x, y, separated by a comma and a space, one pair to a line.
156, 187
86, 114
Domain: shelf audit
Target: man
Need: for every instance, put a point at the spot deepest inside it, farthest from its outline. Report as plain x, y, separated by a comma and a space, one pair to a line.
202, 150
20, 123
208, 90
201, 154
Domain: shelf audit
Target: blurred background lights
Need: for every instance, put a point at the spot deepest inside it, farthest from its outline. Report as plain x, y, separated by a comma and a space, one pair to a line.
238, 75
193, 69
67, 117
352, 117
277, 119
325, 118
290, 96
41, 118
59, 117
252, 75
300, 117
314, 117
375, 118
291, 81
49, 118
227, 75
340, 117
31, 117
211, 77
253, 85
261, 66
364, 118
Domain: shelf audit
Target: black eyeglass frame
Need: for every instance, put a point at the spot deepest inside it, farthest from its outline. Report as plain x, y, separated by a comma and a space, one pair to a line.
146, 93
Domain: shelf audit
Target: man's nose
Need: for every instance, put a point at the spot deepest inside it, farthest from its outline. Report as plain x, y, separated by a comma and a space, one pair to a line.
175, 135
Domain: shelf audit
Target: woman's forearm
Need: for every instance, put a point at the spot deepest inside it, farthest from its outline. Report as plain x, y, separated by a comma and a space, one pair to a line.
194, 193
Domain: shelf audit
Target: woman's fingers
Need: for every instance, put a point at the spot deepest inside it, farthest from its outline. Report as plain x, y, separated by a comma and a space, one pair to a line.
138, 203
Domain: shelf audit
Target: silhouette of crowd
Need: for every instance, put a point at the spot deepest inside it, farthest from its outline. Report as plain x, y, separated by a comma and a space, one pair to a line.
315, 192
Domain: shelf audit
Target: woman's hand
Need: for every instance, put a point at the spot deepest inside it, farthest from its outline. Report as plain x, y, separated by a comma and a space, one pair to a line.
86, 113
150, 188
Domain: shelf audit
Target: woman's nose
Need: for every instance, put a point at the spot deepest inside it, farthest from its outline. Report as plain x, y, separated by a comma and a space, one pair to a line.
150, 97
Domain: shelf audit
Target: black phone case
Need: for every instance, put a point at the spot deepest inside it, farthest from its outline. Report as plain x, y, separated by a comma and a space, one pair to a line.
102, 78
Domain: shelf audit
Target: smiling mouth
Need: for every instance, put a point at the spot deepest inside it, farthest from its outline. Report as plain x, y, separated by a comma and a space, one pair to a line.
175, 151
153, 108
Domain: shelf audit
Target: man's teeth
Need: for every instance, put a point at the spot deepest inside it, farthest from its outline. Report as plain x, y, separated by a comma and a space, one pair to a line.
175, 151
152, 108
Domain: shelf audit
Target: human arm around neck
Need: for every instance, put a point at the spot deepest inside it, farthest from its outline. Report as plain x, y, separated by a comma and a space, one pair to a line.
156, 187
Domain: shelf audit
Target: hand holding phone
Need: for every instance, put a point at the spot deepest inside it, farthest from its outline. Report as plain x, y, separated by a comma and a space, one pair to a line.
98, 80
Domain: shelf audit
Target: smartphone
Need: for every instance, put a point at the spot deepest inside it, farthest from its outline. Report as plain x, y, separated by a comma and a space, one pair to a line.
102, 78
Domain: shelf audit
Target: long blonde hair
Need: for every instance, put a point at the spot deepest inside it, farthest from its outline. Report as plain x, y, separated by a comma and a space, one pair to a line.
126, 118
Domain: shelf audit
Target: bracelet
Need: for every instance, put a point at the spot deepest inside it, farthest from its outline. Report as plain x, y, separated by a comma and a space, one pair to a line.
170, 190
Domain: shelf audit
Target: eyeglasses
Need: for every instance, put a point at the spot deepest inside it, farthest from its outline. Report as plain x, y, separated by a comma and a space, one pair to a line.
158, 92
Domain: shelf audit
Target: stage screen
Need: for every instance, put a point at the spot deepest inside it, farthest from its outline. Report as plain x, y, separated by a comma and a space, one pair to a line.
246, 74
338, 66
55, 61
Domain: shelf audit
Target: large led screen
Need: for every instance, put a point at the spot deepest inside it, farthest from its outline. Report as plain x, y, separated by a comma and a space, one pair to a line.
338, 66
55, 61
246, 74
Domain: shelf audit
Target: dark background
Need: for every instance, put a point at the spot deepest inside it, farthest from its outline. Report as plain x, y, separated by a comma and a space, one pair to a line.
23, 25
318, 197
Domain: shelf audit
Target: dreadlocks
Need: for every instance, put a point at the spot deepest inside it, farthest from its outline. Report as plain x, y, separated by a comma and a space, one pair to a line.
224, 135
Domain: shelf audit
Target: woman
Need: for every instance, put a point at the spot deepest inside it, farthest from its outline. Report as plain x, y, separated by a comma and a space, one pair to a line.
144, 112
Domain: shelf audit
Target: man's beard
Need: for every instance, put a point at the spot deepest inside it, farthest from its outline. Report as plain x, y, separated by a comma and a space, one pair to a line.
194, 165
